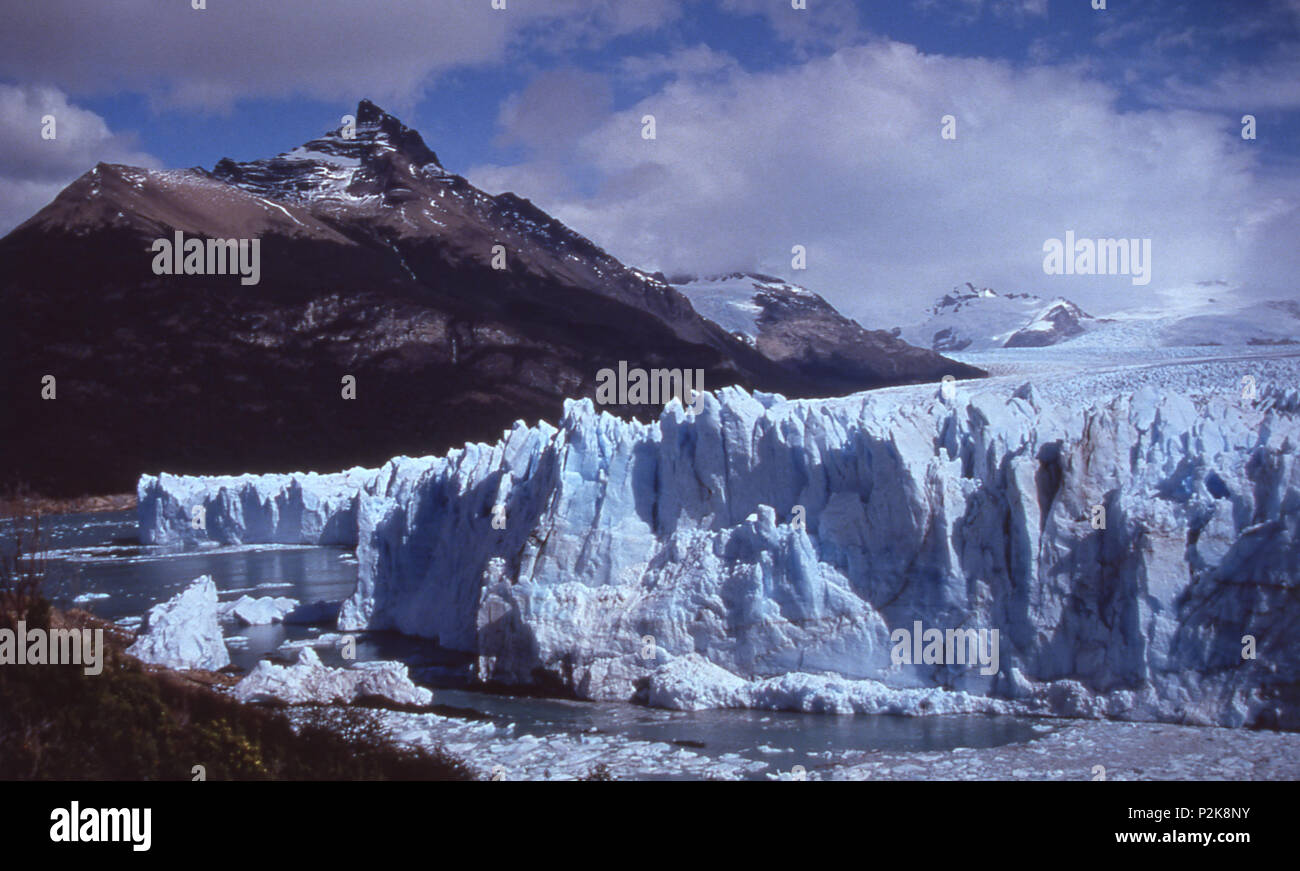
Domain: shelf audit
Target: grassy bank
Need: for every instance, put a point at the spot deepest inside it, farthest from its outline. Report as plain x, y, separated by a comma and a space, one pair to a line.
19, 504
136, 722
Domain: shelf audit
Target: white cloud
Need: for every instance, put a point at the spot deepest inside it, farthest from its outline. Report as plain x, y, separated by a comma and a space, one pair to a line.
555, 108
1255, 88
820, 23
328, 49
695, 61
968, 11
33, 169
843, 155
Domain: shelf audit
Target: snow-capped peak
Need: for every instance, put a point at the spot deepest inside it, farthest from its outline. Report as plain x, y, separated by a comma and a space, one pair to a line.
374, 148
976, 318
1060, 320
737, 300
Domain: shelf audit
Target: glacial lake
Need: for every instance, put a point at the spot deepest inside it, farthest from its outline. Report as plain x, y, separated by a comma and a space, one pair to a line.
96, 562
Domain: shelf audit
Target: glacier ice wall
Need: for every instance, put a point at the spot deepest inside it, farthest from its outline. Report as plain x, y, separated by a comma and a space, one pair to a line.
760, 552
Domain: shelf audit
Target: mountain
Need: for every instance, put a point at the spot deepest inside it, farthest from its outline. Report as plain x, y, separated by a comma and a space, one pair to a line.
375, 262
979, 319
1061, 320
1120, 544
800, 329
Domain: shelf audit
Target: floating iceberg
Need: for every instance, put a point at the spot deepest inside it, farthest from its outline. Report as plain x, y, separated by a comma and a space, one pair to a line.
184, 631
309, 681
258, 612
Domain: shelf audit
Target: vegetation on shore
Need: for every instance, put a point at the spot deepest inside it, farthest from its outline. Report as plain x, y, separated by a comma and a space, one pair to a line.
20, 503
132, 722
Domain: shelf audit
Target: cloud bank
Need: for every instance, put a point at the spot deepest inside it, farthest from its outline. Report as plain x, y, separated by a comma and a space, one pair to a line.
843, 154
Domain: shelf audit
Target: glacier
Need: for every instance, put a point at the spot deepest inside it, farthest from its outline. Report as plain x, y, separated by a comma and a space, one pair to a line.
760, 552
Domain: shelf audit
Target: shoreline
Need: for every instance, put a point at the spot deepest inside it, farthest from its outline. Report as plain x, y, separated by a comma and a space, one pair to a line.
160, 720
26, 506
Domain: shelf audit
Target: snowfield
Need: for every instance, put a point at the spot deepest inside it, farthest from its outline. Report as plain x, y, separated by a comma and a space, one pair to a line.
969, 321
762, 552
728, 301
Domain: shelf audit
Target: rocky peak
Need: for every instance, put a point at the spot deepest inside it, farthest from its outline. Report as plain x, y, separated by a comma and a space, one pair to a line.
1060, 320
375, 262
383, 155
379, 130
968, 293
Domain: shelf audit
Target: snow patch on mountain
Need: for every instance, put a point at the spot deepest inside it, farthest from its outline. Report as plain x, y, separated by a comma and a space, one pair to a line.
1210, 314
977, 319
735, 301
1059, 321
304, 152
728, 301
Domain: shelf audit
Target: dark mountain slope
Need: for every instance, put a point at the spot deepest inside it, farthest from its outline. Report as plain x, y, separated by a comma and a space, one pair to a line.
375, 262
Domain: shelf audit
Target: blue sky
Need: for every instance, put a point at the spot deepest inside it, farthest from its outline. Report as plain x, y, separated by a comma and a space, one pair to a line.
776, 126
